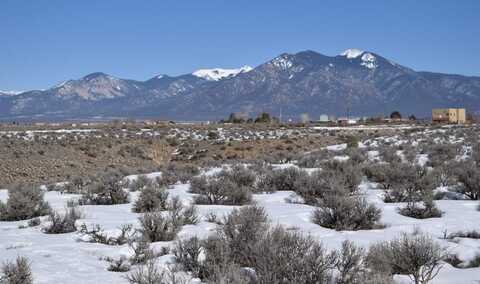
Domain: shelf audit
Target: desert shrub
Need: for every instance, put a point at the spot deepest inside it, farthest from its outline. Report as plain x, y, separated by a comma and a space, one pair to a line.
417, 190
475, 262
468, 174
378, 260
349, 175
212, 135
175, 211
247, 250
24, 202
63, 223
473, 234
17, 272
119, 265
34, 222
475, 155
147, 274
199, 184
139, 183
351, 141
97, 234
217, 258
456, 262
417, 256
233, 186
53, 187
241, 229
140, 247
314, 159
156, 227
288, 257
232, 273
190, 215
187, 253
312, 188
133, 151
278, 256
75, 184
152, 197
211, 217
412, 183
409, 153
240, 175
258, 166
438, 154
280, 180
174, 173
233, 245
453, 260
424, 209
150, 272
445, 173
340, 212
356, 155
108, 190
278, 156
389, 154
349, 263
334, 177
386, 175
218, 190
172, 141
126, 234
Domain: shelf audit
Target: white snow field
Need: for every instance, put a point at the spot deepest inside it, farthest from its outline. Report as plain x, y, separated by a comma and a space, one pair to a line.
65, 258
217, 74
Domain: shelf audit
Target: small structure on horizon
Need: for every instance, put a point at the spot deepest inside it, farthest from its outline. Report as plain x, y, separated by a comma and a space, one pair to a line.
348, 120
449, 115
324, 118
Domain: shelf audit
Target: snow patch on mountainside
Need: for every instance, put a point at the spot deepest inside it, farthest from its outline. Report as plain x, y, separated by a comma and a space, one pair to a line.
283, 62
369, 61
62, 84
10, 93
218, 73
352, 53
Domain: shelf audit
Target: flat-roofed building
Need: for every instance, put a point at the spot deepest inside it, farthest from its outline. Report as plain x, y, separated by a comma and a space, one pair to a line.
324, 118
449, 115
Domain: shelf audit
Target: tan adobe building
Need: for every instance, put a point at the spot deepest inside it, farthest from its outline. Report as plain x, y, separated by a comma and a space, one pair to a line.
449, 115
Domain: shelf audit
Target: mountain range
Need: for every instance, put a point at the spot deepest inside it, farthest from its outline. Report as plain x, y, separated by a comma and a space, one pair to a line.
355, 82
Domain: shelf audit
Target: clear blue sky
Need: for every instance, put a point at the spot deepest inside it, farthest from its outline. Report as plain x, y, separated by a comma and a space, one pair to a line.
44, 42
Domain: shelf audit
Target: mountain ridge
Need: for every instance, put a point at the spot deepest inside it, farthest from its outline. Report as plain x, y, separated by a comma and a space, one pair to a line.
356, 81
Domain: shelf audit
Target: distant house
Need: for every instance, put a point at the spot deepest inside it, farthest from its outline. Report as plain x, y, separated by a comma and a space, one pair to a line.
324, 118
347, 120
449, 115
149, 122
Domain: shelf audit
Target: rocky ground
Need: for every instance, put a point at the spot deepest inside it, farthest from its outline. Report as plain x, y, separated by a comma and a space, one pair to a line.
48, 154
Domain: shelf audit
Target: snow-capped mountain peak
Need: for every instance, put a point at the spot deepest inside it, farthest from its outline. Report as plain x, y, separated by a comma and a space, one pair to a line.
10, 93
352, 53
368, 59
217, 74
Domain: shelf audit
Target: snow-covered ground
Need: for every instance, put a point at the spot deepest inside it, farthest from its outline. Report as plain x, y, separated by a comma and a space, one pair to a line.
65, 259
